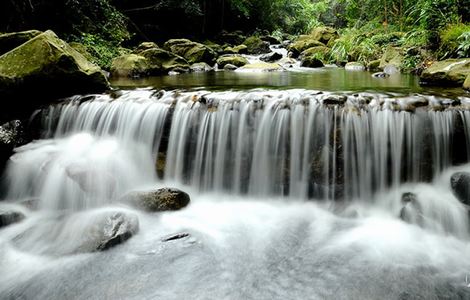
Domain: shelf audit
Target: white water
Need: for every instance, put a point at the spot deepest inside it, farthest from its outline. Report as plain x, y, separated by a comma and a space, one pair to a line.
243, 157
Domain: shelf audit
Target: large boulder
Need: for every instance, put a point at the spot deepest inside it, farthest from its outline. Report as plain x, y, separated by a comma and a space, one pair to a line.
450, 72
236, 60
270, 39
9, 41
46, 65
193, 52
313, 57
112, 230
324, 34
161, 61
460, 184
302, 44
145, 46
391, 57
256, 45
130, 65
200, 67
466, 84
164, 199
240, 49
271, 57
262, 67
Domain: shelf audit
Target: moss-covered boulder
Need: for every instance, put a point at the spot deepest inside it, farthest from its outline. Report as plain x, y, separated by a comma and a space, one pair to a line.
145, 46
466, 84
46, 65
236, 60
324, 34
9, 41
161, 61
270, 39
450, 72
302, 44
262, 67
130, 65
256, 45
82, 49
240, 49
193, 52
373, 65
215, 47
314, 57
392, 56
200, 67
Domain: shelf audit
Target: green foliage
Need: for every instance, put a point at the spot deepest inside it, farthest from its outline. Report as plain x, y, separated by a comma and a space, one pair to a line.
102, 51
355, 45
463, 50
454, 40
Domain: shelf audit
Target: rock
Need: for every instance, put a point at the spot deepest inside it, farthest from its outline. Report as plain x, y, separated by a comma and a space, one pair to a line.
233, 38
324, 34
391, 56
145, 46
302, 44
450, 72
256, 45
411, 212
175, 237
82, 49
373, 65
271, 57
130, 65
230, 67
215, 47
354, 66
270, 39
466, 84
193, 52
240, 49
46, 65
9, 216
161, 61
200, 67
9, 41
460, 184
311, 62
164, 199
116, 229
11, 136
381, 75
262, 67
236, 60
334, 100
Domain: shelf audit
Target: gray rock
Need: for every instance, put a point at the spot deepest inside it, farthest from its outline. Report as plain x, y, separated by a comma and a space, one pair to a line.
381, 75
460, 184
230, 67
200, 67
117, 228
271, 57
164, 199
10, 216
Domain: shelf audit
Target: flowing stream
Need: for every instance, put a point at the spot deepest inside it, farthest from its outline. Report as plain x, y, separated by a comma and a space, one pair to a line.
295, 194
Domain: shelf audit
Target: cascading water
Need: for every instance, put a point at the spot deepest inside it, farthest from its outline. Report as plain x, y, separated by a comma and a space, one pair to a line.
334, 166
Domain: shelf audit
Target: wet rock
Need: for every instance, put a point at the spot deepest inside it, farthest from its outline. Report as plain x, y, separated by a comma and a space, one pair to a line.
145, 46
324, 34
46, 65
450, 72
270, 39
303, 43
466, 84
354, 66
262, 67
411, 211
271, 57
191, 51
460, 184
256, 45
9, 41
164, 199
240, 49
391, 56
175, 237
9, 216
116, 229
373, 65
230, 67
161, 61
380, 75
200, 67
335, 100
311, 62
11, 135
236, 60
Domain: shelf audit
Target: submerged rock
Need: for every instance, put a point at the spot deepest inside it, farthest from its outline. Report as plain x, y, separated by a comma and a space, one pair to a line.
460, 184
263, 67
411, 211
10, 216
236, 60
116, 229
450, 72
46, 65
164, 199
381, 75
9, 41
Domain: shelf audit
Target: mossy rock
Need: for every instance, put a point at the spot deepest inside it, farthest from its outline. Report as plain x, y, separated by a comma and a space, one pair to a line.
466, 84
215, 47
324, 34
240, 49
161, 61
236, 60
256, 45
82, 49
303, 44
9, 41
392, 56
231, 38
49, 66
262, 67
450, 72
145, 46
317, 50
270, 39
164, 199
373, 65
193, 52
200, 67
130, 65
311, 62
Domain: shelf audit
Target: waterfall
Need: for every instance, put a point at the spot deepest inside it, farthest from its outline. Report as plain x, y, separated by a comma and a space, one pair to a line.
296, 143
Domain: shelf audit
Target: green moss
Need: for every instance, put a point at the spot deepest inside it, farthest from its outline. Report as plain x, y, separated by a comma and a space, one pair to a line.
256, 46
235, 60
